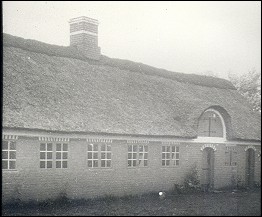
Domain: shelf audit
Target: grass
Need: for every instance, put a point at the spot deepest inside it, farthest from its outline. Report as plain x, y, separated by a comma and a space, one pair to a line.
225, 203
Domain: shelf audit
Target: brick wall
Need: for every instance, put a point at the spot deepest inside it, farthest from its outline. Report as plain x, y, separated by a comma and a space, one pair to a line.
79, 181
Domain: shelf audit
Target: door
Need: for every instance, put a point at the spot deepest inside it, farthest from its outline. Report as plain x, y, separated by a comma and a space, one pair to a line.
250, 167
208, 168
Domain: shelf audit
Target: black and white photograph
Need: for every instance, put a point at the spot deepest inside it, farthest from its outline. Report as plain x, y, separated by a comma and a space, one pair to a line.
131, 108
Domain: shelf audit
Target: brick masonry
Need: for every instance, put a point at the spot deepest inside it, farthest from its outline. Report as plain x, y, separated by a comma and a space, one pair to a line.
87, 41
28, 181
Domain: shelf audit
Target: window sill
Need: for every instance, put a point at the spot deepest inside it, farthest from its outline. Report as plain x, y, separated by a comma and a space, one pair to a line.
9, 170
137, 167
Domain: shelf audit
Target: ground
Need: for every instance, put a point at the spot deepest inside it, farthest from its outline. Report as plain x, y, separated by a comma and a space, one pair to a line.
227, 203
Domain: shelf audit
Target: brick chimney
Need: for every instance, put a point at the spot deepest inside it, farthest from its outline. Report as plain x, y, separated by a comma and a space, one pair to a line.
84, 36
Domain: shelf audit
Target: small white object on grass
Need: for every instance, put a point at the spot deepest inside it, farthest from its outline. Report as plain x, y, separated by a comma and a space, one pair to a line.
162, 195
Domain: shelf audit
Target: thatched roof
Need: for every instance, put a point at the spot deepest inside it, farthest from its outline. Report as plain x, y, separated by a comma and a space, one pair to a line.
56, 88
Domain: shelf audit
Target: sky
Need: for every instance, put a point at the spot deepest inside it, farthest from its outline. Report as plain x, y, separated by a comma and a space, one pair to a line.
214, 38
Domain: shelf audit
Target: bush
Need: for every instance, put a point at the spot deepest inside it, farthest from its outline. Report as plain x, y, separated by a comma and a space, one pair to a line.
190, 184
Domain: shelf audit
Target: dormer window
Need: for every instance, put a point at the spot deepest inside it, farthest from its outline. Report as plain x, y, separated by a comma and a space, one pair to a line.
211, 124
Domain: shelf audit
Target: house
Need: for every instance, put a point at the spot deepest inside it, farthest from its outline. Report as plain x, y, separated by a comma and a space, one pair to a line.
79, 123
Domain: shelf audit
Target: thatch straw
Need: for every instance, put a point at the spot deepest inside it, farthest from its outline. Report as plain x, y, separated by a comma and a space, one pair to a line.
59, 92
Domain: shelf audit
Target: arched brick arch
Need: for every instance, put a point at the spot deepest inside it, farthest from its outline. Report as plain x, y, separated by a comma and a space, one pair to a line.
222, 116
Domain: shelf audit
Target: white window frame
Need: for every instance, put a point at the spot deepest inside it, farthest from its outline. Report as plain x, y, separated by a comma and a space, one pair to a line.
172, 159
62, 159
214, 139
93, 152
46, 153
8, 150
138, 158
107, 152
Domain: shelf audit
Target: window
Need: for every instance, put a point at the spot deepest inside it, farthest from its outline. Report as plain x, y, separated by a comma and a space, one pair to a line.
8, 155
230, 156
105, 155
98, 155
92, 155
47, 157
170, 155
137, 155
61, 155
211, 124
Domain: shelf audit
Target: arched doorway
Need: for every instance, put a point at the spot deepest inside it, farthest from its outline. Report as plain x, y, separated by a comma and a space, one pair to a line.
250, 167
208, 159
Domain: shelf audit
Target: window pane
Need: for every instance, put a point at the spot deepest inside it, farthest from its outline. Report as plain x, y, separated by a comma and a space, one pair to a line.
58, 147
141, 155
58, 164
177, 162
42, 155
163, 163
103, 163
4, 154
167, 162
42, 164
108, 163
134, 155
95, 155
11, 164
163, 148
90, 147
177, 156
65, 155
145, 163
177, 149
65, 147
108, 155
4, 164
130, 148
129, 156
42, 147
58, 155
141, 148
146, 148
173, 156
168, 148
49, 155
49, 146
64, 164
134, 148
168, 156
103, 147
146, 156
89, 155
95, 163
12, 155
12, 145
95, 147
173, 148
134, 163
5, 145
89, 163
49, 164
129, 163
103, 155
163, 156
108, 147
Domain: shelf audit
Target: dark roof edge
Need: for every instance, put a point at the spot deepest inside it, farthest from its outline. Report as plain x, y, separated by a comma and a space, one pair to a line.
72, 52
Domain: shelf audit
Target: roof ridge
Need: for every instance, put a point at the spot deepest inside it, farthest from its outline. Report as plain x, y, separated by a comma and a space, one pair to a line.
71, 52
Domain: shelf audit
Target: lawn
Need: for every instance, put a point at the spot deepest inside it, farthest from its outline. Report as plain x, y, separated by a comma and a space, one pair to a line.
227, 203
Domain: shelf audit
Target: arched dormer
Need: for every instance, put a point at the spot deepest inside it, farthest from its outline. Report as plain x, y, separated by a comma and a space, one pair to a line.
211, 124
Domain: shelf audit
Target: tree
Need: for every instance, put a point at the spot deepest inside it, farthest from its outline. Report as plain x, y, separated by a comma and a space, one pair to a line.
249, 86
